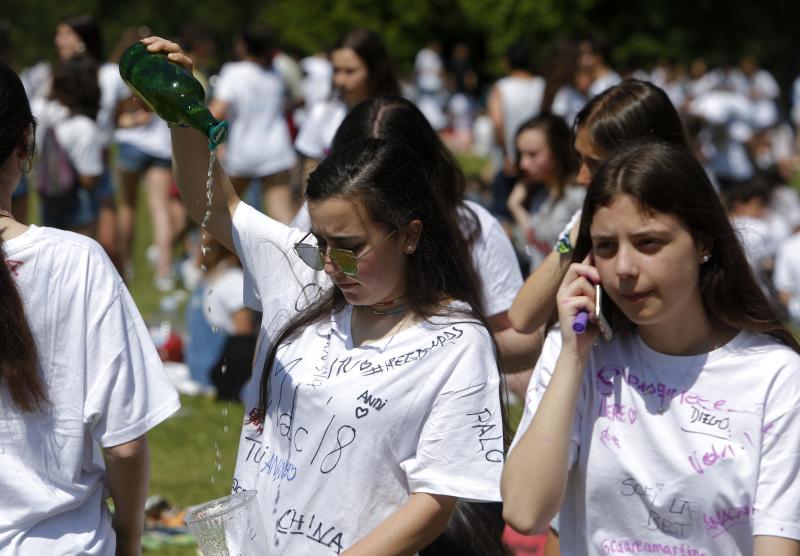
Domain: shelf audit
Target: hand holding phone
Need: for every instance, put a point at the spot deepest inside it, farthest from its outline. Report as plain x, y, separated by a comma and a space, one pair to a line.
581, 320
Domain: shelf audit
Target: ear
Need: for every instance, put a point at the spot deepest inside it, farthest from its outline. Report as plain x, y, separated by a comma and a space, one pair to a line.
410, 235
705, 248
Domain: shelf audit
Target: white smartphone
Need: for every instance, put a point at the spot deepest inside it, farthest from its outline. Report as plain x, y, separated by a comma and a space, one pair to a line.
605, 328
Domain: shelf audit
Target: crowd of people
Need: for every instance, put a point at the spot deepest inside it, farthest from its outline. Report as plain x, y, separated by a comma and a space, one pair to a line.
370, 305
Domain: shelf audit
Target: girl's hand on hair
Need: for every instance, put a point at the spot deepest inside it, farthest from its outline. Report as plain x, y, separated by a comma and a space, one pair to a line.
171, 49
576, 294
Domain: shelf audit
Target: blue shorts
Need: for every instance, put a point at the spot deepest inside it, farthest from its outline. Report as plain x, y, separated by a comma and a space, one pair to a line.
105, 187
70, 211
132, 159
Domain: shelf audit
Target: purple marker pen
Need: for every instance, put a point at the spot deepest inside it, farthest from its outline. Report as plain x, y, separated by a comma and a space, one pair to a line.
580, 322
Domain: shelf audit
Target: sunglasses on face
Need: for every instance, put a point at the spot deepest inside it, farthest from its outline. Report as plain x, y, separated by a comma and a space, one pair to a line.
344, 259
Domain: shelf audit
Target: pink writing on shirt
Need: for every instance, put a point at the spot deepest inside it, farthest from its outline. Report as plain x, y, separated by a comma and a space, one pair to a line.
634, 546
710, 458
724, 519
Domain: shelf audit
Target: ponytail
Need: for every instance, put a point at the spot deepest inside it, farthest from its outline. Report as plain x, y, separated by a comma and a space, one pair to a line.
19, 361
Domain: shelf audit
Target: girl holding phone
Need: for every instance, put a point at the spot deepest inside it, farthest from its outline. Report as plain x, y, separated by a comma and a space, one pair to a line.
681, 434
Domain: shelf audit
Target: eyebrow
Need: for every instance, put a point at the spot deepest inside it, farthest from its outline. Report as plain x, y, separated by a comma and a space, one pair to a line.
337, 238
640, 233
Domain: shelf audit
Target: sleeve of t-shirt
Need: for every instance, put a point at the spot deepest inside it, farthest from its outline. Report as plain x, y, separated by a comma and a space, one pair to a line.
128, 392
275, 278
460, 448
776, 510
498, 271
542, 374
85, 147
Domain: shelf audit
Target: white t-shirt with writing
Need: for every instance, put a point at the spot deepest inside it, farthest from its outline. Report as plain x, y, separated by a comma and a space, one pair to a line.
315, 137
106, 386
719, 466
351, 432
259, 143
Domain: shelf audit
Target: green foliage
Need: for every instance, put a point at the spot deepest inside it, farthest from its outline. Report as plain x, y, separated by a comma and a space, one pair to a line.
640, 32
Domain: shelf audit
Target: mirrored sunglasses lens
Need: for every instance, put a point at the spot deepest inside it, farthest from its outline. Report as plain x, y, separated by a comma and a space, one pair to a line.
346, 262
310, 255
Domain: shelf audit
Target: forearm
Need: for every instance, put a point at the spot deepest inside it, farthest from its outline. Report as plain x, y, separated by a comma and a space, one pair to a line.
190, 156
412, 527
531, 499
128, 476
518, 351
537, 298
775, 546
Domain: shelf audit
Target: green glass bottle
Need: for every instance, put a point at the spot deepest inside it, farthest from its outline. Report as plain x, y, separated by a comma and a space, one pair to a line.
170, 91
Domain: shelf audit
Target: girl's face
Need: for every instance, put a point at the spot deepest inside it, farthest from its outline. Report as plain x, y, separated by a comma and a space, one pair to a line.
383, 261
591, 156
350, 76
67, 41
535, 157
648, 263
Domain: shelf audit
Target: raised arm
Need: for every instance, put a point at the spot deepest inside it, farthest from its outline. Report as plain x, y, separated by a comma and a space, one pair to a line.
190, 157
535, 474
537, 298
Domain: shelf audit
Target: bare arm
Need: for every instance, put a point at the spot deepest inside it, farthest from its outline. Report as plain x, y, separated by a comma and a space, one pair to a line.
218, 108
517, 350
412, 527
190, 158
128, 476
531, 499
495, 107
775, 546
537, 298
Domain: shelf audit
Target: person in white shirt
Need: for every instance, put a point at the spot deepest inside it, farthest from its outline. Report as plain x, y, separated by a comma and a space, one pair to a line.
250, 95
546, 197
361, 68
375, 400
679, 433
68, 134
80, 380
512, 100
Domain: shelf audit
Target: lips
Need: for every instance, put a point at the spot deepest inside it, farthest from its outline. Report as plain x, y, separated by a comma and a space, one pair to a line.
636, 297
346, 285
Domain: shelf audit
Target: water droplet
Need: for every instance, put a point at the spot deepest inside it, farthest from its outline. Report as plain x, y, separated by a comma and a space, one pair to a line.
214, 329
203, 268
224, 369
219, 467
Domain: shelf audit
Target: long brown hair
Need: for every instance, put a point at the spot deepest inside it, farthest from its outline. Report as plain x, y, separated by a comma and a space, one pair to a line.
666, 178
19, 360
388, 180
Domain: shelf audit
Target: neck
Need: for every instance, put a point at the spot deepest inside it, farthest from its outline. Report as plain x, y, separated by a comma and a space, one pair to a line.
394, 306
691, 332
5, 208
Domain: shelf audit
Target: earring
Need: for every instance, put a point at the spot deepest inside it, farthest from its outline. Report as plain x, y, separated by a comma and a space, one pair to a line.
409, 249
705, 259
25, 165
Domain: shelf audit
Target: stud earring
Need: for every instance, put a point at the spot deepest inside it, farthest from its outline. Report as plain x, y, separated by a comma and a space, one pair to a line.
705, 258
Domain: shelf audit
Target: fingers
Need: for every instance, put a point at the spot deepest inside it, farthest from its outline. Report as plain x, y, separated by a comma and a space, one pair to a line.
171, 49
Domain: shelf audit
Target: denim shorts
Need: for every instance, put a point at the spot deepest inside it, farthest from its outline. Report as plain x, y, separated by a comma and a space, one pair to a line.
75, 209
104, 189
132, 159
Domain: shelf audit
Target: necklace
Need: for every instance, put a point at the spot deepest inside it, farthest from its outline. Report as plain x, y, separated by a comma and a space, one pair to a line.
4, 211
666, 395
392, 307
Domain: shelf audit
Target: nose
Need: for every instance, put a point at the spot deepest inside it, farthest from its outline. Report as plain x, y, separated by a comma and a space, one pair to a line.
625, 264
584, 176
